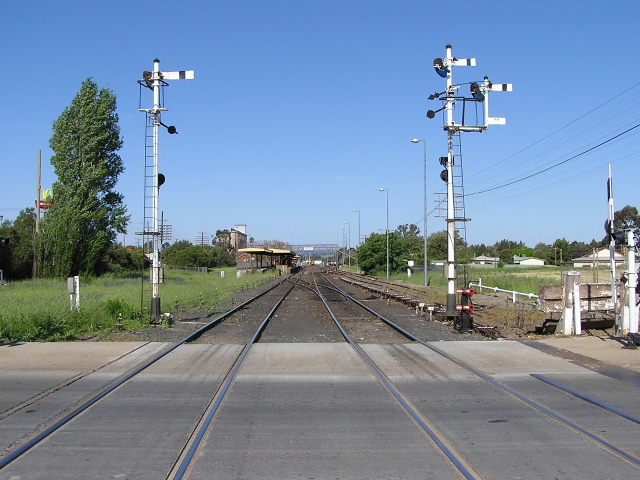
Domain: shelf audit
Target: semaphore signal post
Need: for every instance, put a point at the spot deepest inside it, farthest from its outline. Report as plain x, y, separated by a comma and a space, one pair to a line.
155, 81
454, 125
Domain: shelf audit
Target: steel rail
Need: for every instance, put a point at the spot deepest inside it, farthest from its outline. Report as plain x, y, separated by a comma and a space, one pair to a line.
412, 411
583, 396
10, 457
204, 425
630, 457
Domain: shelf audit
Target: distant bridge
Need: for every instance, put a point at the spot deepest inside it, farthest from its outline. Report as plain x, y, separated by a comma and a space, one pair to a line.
319, 248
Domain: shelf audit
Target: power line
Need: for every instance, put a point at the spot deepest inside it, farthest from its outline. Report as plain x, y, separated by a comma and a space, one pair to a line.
556, 164
585, 115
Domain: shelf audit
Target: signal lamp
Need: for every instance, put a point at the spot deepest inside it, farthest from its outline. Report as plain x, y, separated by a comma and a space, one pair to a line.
443, 161
146, 77
170, 128
619, 237
444, 175
476, 93
161, 180
432, 113
440, 68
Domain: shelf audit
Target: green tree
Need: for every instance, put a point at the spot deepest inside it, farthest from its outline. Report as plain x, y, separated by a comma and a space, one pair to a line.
87, 213
411, 244
16, 259
562, 251
438, 246
22, 236
183, 253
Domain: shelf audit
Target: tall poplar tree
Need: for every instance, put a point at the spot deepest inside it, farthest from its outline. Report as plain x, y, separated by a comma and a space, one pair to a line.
87, 213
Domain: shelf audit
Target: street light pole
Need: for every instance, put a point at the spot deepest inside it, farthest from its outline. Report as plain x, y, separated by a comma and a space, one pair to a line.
348, 224
359, 237
342, 227
387, 190
426, 275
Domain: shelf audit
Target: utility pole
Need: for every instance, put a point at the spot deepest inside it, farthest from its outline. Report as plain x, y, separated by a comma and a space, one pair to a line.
479, 93
36, 233
155, 81
612, 253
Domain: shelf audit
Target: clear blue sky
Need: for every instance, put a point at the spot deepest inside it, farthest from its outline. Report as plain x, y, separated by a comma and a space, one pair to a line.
302, 110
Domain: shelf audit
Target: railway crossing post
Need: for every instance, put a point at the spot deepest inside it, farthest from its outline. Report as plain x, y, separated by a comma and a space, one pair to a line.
155, 81
479, 93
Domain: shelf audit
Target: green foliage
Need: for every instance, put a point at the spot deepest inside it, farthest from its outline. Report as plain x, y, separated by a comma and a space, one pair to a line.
437, 244
372, 255
184, 254
87, 213
39, 310
120, 260
16, 259
116, 307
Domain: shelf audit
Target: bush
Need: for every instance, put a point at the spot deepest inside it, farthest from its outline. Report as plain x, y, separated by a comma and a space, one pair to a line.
115, 307
29, 328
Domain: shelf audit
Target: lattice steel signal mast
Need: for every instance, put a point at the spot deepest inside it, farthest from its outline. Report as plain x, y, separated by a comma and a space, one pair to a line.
479, 93
155, 81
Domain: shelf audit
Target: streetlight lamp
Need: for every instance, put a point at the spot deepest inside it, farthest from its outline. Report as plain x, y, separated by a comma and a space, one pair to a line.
387, 190
426, 275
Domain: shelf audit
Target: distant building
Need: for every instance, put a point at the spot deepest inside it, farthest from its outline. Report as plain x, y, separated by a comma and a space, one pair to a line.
484, 260
600, 258
238, 237
233, 239
527, 261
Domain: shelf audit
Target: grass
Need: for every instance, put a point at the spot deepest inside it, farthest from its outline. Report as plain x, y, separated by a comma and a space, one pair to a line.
40, 310
511, 277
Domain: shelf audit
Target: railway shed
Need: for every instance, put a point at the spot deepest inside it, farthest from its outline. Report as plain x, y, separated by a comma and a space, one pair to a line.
253, 258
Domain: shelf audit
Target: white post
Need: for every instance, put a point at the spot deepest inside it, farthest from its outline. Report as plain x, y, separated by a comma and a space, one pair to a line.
451, 223
612, 253
155, 260
73, 287
566, 323
155, 83
577, 320
632, 282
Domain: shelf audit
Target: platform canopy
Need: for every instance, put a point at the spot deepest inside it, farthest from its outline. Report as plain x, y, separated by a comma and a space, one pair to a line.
266, 251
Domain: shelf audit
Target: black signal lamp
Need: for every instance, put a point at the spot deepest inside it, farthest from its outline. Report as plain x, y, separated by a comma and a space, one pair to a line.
432, 113
146, 77
161, 180
440, 68
619, 237
170, 128
443, 161
444, 176
476, 93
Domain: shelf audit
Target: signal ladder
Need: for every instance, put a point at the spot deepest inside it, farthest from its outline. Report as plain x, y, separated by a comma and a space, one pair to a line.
147, 229
460, 216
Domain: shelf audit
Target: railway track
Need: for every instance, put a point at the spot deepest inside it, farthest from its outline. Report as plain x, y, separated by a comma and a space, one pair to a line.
413, 296
598, 440
415, 374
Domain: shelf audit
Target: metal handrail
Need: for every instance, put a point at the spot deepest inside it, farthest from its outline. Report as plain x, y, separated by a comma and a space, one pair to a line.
496, 289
